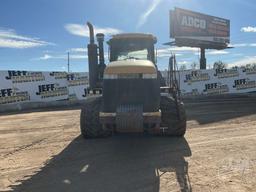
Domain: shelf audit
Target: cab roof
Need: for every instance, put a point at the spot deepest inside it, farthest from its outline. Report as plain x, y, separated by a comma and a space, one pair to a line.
129, 36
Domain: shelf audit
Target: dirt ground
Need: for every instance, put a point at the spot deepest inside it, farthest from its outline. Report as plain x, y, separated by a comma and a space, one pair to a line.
43, 151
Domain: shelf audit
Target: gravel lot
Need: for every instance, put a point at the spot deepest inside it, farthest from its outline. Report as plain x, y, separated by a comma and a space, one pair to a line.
43, 151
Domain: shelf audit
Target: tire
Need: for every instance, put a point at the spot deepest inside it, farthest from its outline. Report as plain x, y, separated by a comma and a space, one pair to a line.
90, 125
175, 122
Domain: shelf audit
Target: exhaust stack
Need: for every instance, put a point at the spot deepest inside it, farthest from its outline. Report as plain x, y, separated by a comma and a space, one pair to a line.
100, 39
92, 59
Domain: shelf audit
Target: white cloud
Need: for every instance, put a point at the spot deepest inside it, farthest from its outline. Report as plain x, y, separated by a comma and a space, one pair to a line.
182, 62
176, 49
48, 57
45, 57
164, 52
63, 57
248, 29
82, 30
144, 17
243, 62
162, 55
214, 52
47, 51
239, 45
238, 54
9, 39
243, 45
217, 52
169, 50
188, 49
78, 57
84, 50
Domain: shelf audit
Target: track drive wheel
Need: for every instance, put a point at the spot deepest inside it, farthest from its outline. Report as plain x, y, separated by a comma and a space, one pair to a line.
90, 125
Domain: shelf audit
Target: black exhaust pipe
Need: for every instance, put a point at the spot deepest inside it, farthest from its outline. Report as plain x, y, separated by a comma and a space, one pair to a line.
92, 59
100, 39
91, 32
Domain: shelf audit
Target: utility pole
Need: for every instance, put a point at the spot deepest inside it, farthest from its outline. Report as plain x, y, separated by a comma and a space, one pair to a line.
202, 58
68, 63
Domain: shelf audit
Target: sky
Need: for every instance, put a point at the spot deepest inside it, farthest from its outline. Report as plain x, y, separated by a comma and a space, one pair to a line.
36, 35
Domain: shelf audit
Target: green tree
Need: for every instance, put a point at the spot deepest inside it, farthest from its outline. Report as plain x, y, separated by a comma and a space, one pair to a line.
219, 65
194, 65
183, 67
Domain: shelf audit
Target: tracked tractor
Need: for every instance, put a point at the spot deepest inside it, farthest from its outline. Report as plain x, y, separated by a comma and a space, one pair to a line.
129, 95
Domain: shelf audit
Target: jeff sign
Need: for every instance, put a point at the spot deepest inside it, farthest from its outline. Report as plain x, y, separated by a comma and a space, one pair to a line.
198, 28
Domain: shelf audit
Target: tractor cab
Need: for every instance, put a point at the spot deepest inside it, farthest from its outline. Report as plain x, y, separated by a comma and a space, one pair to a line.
132, 46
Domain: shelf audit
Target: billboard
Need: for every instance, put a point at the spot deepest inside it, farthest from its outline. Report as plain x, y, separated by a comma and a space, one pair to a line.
199, 30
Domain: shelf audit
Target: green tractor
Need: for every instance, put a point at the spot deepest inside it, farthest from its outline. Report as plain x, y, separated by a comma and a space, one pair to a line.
129, 95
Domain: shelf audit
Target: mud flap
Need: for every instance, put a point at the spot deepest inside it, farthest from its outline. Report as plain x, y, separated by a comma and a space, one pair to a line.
129, 118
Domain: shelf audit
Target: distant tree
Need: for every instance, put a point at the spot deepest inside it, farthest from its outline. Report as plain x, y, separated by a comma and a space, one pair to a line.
248, 66
219, 65
194, 65
183, 67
